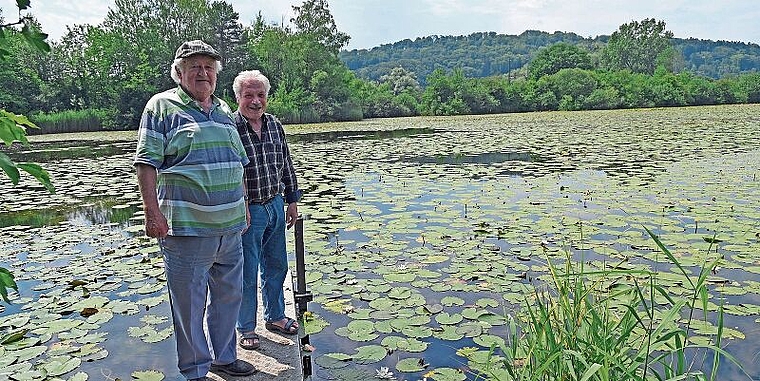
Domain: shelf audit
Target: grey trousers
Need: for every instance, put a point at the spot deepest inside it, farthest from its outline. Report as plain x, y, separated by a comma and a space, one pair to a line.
204, 276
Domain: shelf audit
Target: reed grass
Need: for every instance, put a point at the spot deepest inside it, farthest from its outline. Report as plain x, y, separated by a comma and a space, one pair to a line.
607, 325
73, 121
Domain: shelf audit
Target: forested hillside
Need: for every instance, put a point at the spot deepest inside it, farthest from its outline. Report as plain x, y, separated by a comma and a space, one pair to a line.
101, 76
487, 54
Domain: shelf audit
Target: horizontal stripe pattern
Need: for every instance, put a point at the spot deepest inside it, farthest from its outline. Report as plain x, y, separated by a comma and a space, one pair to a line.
200, 161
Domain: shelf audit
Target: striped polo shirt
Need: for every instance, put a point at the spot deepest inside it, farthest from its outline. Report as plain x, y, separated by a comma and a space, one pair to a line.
200, 161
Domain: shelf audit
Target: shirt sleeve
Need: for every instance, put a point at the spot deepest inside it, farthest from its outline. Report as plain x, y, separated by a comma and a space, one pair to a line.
150, 137
292, 193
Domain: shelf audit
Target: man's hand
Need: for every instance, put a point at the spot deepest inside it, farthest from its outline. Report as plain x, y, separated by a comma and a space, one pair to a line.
156, 225
291, 214
247, 218
155, 222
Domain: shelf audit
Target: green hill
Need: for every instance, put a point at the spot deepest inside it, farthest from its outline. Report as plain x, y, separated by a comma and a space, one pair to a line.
487, 54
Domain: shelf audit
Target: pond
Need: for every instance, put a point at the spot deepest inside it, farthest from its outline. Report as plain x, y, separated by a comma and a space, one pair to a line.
422, 235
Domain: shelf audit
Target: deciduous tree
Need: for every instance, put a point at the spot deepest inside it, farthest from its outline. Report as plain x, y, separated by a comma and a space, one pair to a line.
639, 46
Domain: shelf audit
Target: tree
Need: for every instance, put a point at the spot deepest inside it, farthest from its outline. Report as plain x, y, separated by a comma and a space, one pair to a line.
314, 18
401, 80
557, 57
13, 127
639, 47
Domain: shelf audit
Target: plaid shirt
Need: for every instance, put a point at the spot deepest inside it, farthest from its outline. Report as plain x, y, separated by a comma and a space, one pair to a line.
270, 171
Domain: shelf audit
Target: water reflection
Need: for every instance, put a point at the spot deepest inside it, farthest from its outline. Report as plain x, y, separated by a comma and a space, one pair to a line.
332, 136
483, 158
44, 152
93, 213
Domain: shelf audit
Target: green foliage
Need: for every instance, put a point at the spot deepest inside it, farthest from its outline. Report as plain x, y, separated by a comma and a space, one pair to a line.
118, 65
75, 121
489, 54
585, 325
556, 57
313, 19
12, 126
638, 46
6, 282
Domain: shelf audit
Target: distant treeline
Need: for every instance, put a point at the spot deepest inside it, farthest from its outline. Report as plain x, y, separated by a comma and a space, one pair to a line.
490, 54
100, 77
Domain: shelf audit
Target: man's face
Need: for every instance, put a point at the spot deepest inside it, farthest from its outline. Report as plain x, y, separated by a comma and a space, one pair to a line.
198, 76
252, 99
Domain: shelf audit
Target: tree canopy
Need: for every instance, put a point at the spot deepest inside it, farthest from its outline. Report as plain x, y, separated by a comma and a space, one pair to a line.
110, 70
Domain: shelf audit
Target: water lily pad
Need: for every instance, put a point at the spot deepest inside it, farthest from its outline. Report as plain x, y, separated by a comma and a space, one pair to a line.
61, 365
370, 354
448, 374
147, 375
411, 365
446, 318
333, 360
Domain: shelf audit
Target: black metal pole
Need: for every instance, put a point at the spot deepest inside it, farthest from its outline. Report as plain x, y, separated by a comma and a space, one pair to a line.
301, 295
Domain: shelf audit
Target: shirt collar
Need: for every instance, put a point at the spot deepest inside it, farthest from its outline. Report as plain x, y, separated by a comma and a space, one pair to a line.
188, 100
241, 120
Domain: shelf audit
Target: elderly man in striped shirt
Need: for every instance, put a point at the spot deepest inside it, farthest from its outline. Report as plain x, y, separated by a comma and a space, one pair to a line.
189, 163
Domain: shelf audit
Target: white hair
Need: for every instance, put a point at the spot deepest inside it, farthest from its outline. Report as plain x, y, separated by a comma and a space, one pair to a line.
249, 75
180, 62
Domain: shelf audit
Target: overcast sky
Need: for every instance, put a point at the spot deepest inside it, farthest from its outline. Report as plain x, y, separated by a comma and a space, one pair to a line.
372, 23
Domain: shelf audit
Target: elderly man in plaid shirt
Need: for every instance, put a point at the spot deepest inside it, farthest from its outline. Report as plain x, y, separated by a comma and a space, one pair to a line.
271, 184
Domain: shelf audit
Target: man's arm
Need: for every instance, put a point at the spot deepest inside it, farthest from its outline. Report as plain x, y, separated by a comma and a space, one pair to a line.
155, 222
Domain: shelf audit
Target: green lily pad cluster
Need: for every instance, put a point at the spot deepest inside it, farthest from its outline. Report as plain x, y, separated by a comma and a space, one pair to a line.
417, 244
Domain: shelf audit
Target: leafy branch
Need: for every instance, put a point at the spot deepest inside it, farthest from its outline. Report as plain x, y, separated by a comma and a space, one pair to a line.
13, 127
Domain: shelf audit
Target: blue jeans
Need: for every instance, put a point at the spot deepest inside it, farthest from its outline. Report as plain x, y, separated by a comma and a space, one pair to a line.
204, 276
264, 251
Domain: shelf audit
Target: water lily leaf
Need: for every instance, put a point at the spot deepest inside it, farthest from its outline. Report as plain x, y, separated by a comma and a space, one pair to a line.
80, 376
31, 374
147, 375
383, 326
72, 334
26, 342
411, 365
448, 332
27, 354
487, 302
101, 317
156, 336
154, 319
400, 293
92, 338
448, 374
400, 278
417, 331
473, 313
370, 354
492, 319
15, 369
450, 301
446, 318
359, 314
489, 340
60, 365
433, 309
313, 323
470, 329
333, 360
123, 307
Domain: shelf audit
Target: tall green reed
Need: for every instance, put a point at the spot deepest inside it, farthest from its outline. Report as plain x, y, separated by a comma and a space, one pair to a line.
74, 121
606, 324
